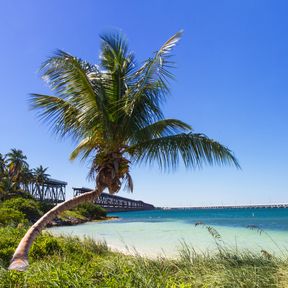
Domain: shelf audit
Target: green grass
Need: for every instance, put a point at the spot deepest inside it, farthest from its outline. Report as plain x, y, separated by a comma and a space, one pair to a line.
85, 212
23, 208
70, 262
71, 214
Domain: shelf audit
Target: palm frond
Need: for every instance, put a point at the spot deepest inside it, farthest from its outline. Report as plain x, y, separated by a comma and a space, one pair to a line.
117, 63
67, 76
85, 147
193, 149
161, 128
147, 89
114, 53
76, 81
128, 183
62, 116
155, 71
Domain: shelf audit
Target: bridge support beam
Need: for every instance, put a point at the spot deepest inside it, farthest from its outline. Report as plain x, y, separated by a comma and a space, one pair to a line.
52, 190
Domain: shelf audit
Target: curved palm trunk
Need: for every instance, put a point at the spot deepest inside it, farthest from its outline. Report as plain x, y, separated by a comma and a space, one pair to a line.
19, 260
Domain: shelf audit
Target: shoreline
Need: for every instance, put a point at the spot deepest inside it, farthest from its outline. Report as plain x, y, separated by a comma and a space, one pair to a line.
72, 261
174, 253
157, 239
74, 221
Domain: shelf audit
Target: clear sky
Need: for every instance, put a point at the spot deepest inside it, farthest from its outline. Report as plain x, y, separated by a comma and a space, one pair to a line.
231, 84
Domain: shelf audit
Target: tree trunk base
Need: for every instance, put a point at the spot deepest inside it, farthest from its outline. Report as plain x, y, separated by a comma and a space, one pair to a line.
19, 265
19, 260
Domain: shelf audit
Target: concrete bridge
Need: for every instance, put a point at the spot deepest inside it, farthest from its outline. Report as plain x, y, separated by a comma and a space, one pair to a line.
113, 203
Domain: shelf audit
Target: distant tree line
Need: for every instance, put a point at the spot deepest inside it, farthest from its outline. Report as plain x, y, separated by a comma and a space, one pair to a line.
16, 175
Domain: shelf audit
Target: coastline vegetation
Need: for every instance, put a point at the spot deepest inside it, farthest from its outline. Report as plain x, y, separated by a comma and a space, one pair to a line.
17, 206
71, 262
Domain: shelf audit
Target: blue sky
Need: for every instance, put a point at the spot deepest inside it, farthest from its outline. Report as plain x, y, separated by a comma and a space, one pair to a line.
231, 84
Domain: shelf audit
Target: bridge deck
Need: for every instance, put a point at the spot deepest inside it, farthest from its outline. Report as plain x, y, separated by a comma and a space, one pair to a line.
116, 203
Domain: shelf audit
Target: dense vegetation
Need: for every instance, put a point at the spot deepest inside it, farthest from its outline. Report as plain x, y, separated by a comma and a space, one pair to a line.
82, 213
70, 262
21, 210
17, 206
16, 175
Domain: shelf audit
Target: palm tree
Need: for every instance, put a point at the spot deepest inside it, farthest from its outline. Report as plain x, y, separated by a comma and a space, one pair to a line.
7, 187
16, 164
5, 183
26, 178
114, 110
39, 178
3, 165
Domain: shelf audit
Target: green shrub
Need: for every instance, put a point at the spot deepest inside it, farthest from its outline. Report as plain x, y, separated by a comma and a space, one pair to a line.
70, 214
19, 193
10, 216
46, 206
91, 211
29, 207
9, 240
45, 246
6, 255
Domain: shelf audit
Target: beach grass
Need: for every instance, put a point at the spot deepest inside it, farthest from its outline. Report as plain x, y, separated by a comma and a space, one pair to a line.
72, 262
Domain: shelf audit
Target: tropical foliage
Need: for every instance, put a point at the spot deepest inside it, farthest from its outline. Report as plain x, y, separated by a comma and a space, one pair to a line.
11, 217
18, 206
29, 207
91, 211
16, 176
113, 109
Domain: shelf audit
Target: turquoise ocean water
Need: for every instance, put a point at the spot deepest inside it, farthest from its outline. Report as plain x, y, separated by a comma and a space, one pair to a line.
162, 232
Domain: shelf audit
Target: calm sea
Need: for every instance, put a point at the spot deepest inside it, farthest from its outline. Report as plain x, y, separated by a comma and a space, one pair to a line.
161, 232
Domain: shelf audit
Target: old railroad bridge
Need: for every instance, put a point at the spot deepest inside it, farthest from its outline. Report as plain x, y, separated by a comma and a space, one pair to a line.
54, 191
115, 203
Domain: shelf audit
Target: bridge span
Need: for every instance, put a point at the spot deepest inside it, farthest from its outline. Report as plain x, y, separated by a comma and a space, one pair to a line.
54, 191
113, 203
251, 206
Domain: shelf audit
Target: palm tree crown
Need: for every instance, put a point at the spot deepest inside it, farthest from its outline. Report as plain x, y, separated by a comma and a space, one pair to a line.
16, 164
114, 110
3, 163
40, 175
